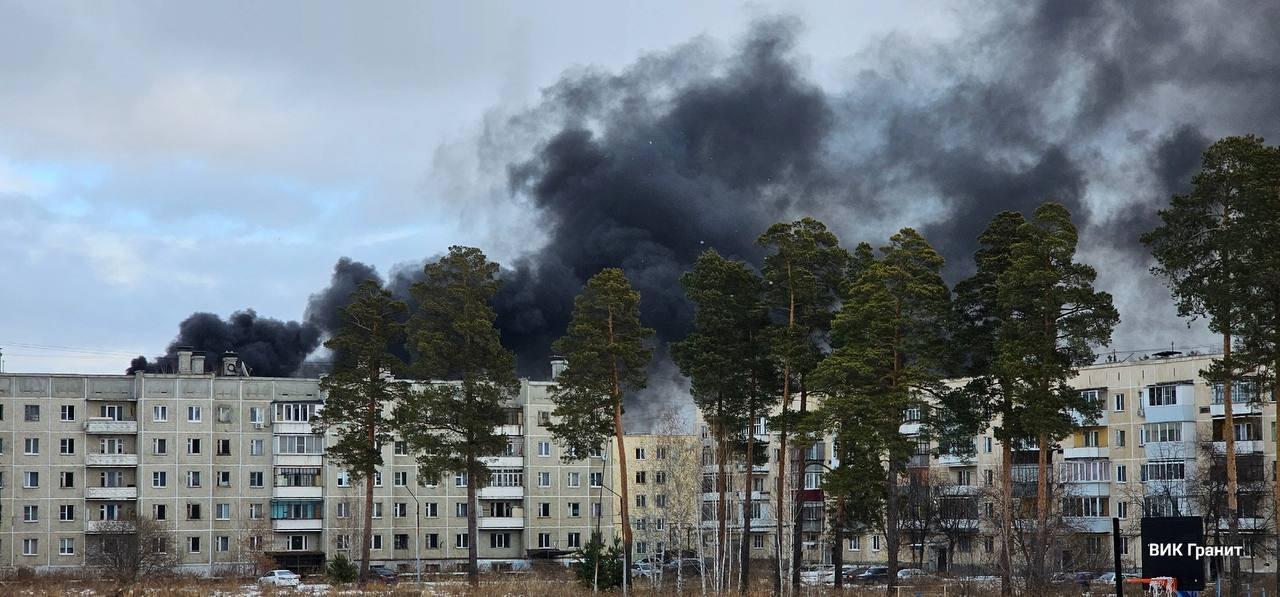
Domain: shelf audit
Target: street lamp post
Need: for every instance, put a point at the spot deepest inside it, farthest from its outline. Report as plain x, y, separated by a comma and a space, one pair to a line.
417, 533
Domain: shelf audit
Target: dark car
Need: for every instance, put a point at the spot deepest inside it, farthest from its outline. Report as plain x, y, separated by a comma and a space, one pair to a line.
685, 566
383, 574
873, 574
1079, 579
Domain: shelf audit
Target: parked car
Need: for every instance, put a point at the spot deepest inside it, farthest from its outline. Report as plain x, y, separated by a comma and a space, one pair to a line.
1109, 579
873, 574
815, 574
645, 569
685, 566
383, 575
281, 578
913, 575
1079, 579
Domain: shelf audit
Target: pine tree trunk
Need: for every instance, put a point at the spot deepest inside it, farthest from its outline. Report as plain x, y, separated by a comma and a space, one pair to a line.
1042, 513
366, 544
473, 535
745, 563
891, 526
798, 505
781, 482
837, 550
722, 506
1229, 434
1006, 519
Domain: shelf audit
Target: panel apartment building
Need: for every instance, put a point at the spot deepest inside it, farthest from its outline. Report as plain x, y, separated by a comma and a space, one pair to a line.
1157, 449
231, 466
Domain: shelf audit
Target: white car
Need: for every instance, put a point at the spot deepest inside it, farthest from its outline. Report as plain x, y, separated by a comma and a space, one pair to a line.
281, 578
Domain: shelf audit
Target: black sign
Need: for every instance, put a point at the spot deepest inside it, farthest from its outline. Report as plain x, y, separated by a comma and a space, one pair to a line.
1174, 546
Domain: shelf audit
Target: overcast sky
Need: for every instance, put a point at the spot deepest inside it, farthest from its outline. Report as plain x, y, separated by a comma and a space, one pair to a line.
160, 158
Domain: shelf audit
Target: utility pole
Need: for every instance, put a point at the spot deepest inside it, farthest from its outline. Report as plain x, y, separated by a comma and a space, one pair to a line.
417, 533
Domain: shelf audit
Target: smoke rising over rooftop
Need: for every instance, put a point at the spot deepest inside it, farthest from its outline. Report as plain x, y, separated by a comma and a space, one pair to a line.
1102, 107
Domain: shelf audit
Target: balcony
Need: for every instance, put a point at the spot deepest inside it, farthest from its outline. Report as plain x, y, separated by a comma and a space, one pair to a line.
1238, 409
283, 525
311, 493
504, 461
500, 522
108, 526
1090, 524
500, 493
299, 460
909, 428
510, 430
956, 460
292, 428
1089, 452
115, 460
106, 426
111, 493
1248, 446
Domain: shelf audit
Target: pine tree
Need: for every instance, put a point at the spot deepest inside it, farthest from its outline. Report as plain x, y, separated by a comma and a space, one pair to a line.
359, 390
450, 427
802, 274
605, 346
1056, 321
888, 341
732, 377
1206, 248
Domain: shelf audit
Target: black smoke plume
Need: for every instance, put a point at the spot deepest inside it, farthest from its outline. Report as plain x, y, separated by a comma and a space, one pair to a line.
268, 347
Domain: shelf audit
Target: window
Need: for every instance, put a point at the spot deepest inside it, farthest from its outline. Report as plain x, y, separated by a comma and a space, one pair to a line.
66, 479
1091, 507
193, 445
544, 479
1122, 473
400, 541
255, 447
160, 446
193, 414
300, 444
30, 513
30, 479
499, 540
377, 509
574, 480
987, 445
641, 500
642, 547
574, 540
255, 479
430, 510
544, 418
1118, 401
1120, 438
813, 480
988, 477
595, 510
1164, 471
66, 546
256, 415
1086, 471
193, 511
159, 479
575, 509
875, 543
1163, 432
855, 543
544, 448
224, 478
400, 448
67, 412
460, 480
193, 544
255, 511
507, 477
193, 478
224, 447
342, 541
596, 479
344, 510
29, 547
1091, 438
757, 510
295, 412
160, 413
160, 512
400, 478
221, 543
660, 477
544, 540
639, 453
460, 541
66, 446
1122, 509
660, 500
31, 446
460, 509
1162, 395
31, 413
641, 477
544, 509
433, 540
400, 509
222, 511
343, 479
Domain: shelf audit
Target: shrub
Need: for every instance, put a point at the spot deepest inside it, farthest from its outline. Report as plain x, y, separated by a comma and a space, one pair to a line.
341, 570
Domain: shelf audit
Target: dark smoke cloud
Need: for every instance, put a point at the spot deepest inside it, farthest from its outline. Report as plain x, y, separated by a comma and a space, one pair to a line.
268, 347
324, 308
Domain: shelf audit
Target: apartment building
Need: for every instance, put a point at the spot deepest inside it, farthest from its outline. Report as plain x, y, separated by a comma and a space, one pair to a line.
231, 466
1156, 449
